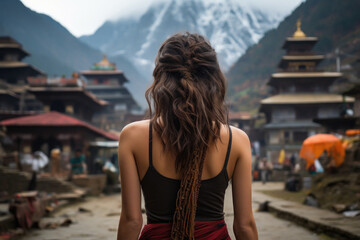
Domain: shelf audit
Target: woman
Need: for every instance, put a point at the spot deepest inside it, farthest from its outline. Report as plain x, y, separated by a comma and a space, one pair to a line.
185, 155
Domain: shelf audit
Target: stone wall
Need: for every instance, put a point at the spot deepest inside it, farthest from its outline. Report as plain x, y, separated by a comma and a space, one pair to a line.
13, 181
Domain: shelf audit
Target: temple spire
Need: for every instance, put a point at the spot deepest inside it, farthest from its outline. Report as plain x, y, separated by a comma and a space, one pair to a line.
104, 64
299, 33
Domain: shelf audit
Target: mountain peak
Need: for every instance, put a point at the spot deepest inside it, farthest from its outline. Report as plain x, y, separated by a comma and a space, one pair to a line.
230, 26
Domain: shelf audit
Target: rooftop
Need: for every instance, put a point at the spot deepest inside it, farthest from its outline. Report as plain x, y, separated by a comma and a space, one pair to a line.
99, 72
292, 124
306, 74
55, 119
19, 65
79, 90
303, 58
9, 42
306, 98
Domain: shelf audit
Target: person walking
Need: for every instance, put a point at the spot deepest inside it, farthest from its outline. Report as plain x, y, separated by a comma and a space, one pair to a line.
184, 156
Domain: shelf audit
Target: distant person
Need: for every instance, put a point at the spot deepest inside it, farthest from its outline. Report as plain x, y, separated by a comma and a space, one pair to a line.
38, 161
264, 168
293, 161
184, 156
55, 156
77, 162
297, 167
312, 169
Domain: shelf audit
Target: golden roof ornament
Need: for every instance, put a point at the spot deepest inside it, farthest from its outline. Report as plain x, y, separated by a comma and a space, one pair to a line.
104, 64
299, 33
104, 61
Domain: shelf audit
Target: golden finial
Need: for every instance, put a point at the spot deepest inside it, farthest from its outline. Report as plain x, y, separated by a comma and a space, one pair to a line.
104, 61
299, 33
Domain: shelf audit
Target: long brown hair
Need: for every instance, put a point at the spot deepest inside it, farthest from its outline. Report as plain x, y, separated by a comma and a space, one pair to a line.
188, 97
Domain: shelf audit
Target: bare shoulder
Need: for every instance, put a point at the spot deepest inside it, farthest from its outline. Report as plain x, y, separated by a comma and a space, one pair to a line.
134, 130
240, 142
239, 136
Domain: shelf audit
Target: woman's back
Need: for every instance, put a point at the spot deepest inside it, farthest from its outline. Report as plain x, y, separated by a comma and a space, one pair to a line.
160, 187
185, 160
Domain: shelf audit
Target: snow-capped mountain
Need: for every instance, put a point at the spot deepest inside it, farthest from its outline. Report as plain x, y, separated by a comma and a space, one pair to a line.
230, 25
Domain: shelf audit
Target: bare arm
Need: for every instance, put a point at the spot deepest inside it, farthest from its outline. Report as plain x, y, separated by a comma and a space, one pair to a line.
131, 219
244, 223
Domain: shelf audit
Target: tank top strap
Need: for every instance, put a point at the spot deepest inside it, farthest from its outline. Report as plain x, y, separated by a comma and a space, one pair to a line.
150, 144
228, 149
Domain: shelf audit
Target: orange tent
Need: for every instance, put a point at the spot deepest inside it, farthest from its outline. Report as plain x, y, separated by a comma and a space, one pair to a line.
352, 132
315, 145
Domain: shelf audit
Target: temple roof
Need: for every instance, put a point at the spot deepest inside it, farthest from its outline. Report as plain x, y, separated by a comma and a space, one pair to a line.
10, 43
101, 72
292, 58
306, 75
305, 98
19, 65
73, 90
55, 119
303, 58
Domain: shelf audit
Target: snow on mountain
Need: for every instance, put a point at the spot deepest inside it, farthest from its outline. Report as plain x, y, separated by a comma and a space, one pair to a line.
230, 25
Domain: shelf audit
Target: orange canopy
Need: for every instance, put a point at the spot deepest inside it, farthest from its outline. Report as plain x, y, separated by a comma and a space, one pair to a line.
352, 132
315, 145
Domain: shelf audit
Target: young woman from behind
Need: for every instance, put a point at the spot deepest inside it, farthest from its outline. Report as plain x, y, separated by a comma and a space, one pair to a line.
184, 156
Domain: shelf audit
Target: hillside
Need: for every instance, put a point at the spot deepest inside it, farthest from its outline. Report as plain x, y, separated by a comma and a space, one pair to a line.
54, 49
337, 25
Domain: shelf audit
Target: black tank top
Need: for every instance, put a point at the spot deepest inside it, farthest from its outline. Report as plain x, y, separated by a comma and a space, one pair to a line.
160, 193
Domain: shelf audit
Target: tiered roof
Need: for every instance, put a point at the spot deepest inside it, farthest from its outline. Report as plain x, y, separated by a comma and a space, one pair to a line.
55, 119
13, 67
299, 53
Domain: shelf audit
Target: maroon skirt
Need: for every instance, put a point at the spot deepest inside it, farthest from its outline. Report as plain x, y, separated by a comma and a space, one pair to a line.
204, 230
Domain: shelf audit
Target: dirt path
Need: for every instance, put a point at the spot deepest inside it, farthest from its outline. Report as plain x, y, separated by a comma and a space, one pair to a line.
102, 220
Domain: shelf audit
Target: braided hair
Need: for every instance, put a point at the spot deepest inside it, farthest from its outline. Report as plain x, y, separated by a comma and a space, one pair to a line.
188, 97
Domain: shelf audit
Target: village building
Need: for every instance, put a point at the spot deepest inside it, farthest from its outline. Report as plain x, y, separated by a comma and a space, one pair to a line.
66, 95
13, 78
38, 113
53, 130
300, 93
107, 83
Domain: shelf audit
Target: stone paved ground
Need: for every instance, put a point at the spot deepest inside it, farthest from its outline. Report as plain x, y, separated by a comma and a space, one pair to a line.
101, 222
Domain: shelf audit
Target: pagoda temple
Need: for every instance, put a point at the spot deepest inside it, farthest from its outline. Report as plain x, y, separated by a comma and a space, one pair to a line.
106, 82
13, 79
300, 93
12, 69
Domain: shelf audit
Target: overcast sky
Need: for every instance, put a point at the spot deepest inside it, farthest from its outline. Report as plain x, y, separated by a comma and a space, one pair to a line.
85, 16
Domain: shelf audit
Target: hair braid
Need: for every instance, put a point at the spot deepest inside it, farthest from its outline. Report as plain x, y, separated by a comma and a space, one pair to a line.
184, 216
